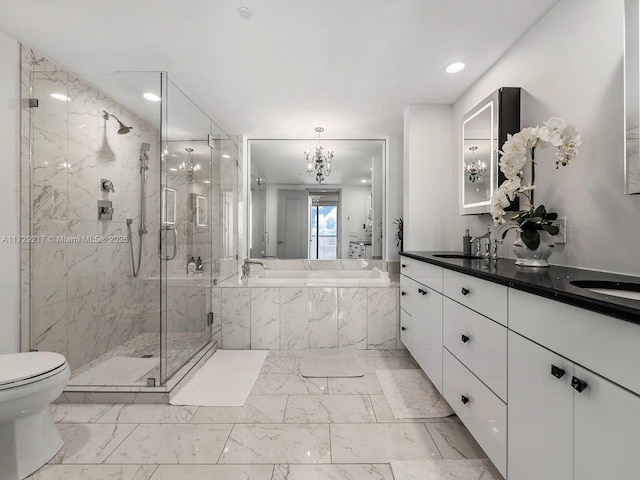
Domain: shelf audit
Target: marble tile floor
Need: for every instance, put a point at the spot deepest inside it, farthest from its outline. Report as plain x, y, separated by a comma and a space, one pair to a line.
290, 428
181, 346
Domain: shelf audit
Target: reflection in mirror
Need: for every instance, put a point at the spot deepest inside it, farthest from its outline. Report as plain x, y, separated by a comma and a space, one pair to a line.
201, 211
478, 138
632, 96
484, 130
292, 216
168, 206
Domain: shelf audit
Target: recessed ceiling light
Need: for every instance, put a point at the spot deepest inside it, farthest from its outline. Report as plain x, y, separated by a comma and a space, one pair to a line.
152, 97
61, 97
245, 13
226, 156
206, 181
455, 67
173, 169
363, 181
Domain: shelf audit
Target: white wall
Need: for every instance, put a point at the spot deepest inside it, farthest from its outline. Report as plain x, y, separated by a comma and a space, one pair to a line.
9, 196
570, 65
427, 168
394, 190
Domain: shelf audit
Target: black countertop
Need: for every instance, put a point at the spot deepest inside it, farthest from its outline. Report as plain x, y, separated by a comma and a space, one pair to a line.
550, 282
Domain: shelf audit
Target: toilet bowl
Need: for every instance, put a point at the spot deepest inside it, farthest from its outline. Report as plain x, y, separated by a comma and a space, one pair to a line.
29, 382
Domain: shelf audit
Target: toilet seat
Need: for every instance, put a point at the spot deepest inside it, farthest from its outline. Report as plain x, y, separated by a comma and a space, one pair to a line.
17, 369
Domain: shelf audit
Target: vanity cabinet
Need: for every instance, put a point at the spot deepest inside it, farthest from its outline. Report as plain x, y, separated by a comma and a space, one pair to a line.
548, 390
421, 316
566, 422
475, 359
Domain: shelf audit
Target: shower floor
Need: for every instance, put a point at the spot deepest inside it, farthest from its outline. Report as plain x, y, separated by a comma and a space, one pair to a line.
180, 349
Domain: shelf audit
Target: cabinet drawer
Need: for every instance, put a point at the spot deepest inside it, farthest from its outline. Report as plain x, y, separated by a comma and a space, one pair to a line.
405, 266
427, 274
490, 299
479, 343
405, 329
405, 293
484, 414
604, 344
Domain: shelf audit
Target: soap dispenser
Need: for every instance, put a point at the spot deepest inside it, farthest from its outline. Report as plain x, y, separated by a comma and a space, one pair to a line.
191, 266
199, 266
466, 243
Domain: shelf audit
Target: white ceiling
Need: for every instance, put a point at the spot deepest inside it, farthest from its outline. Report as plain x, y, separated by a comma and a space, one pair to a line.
282, 161
351, 66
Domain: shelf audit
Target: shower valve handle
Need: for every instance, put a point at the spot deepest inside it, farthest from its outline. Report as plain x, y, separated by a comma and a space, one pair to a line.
107, 185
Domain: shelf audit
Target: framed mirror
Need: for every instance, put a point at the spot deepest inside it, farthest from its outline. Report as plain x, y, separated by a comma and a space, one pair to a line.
168, 206
293, 216
484, 129
632, 97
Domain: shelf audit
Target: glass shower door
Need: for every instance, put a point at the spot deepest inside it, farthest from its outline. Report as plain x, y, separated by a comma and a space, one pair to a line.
185, 233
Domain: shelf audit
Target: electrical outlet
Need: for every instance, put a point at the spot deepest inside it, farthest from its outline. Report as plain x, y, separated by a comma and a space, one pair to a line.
562, 235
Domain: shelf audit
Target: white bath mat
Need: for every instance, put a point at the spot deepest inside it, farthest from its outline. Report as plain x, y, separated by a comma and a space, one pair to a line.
225, 380
116, 371
411, 394
331, 363
474, 469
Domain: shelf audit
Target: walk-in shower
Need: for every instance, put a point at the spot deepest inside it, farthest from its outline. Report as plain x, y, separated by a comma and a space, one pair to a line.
144, 167
123, 315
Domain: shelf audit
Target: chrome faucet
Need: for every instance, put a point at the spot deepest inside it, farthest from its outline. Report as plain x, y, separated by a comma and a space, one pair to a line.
246, 267
478, 241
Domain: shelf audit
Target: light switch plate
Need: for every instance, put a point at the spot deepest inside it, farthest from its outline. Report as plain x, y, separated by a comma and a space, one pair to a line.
562, 235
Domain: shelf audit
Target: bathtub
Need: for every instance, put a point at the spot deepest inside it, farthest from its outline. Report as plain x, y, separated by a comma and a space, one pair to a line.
319, 278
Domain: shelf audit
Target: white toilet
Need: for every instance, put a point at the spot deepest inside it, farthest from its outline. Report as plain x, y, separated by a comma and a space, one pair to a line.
29, 382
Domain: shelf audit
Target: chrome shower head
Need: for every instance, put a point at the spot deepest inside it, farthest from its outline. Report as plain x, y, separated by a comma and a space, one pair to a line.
123, 130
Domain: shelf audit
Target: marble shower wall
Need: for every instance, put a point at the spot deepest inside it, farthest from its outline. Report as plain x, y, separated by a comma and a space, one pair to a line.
85, 300
293, 318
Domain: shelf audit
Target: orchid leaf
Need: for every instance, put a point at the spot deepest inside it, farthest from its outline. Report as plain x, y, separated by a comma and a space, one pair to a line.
531, 238
552, 229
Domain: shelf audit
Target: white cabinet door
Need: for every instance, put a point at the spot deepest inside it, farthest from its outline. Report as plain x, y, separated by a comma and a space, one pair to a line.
405, 329
405, 293
607, 430
426, 335
540, 413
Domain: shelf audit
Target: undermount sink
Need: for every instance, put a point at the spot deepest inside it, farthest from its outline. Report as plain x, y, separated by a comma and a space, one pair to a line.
616, 289
456, 255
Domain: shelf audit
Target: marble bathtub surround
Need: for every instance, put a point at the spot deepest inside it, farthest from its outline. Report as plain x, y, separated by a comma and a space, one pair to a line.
292, 318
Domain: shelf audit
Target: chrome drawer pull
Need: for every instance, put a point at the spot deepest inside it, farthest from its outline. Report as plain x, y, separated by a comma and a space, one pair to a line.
557, 371
464, 338
403, 293
464, 399
422, 292
403, 328
404, 265
465, 291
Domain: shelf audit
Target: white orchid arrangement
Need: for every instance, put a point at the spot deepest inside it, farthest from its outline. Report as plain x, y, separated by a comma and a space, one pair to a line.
554, 132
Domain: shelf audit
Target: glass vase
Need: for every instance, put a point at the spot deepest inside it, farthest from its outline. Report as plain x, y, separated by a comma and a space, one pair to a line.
534, 258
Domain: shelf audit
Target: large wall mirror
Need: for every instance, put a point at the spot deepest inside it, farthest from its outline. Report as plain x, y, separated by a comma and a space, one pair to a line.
632, 97
293, 216
484, 129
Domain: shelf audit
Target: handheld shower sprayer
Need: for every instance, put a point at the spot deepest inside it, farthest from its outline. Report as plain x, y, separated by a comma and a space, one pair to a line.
123, 130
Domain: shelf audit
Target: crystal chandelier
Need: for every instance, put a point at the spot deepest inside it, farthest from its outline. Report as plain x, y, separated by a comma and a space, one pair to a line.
474, 170
319, 164
188, 166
